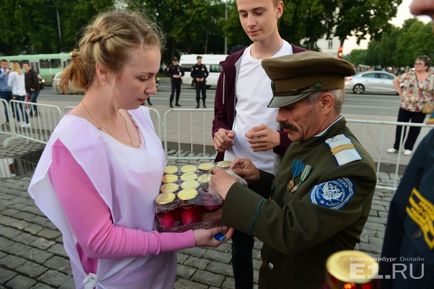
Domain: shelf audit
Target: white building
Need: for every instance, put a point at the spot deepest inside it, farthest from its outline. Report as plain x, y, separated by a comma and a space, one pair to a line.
329, 45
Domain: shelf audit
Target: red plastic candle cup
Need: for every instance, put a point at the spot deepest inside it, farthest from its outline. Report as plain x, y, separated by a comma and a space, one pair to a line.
167, 215
211, 203
191, 214
167, 219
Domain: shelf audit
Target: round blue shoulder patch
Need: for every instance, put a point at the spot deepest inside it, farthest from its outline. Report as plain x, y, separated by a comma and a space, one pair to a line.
333, 194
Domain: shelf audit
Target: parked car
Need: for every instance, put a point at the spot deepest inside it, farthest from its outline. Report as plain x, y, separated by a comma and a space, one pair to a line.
371, 81
56, 85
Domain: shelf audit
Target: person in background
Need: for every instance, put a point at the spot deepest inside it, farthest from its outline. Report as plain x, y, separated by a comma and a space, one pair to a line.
32, 87
408, 247
415, 89
321, 196
199, 73
16, 81
175, 72
94, 180
5, 90
243, 127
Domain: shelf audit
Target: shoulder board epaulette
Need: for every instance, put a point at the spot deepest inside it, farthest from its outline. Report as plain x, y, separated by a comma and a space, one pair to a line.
343, 149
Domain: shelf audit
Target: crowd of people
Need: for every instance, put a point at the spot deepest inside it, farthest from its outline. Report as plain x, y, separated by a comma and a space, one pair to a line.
23, 86
310, 182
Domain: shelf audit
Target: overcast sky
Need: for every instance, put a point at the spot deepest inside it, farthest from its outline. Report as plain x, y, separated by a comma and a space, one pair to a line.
402, 14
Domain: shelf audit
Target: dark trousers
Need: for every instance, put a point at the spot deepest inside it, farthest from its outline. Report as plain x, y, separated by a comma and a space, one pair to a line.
200, 88
20, 110
413, 133
6, 95
242, 265
34, 99
176, 90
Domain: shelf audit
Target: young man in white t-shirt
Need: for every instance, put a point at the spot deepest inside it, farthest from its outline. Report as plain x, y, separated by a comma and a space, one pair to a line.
243, 126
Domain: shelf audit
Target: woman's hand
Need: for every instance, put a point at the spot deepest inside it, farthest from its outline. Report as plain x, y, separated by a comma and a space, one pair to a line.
205, 237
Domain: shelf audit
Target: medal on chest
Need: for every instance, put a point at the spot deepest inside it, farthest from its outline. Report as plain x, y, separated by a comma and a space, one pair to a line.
300, 171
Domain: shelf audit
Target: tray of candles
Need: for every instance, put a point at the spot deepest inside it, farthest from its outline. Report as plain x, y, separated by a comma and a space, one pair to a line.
185, 201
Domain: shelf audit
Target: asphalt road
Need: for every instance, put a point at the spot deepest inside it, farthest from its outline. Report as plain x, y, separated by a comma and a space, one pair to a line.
365, 104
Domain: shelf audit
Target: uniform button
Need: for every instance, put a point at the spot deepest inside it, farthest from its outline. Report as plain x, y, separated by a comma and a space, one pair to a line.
417, 234
270, 266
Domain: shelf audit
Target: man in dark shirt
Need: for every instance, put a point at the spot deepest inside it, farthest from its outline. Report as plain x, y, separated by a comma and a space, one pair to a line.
32, 87
199, 73
175, 72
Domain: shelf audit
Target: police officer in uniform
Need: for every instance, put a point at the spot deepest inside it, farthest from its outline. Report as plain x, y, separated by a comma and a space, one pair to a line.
407, 257
320, 198
199, 73
175, 72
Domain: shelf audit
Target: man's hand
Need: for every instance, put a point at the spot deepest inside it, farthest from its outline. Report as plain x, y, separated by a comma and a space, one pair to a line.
221, 182
245, 169
262, 138
223, 139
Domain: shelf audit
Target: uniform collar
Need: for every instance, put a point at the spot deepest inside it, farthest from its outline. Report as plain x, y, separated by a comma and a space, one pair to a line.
333, 129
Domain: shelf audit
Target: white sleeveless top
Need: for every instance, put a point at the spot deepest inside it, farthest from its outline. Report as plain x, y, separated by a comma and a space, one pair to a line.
128, 180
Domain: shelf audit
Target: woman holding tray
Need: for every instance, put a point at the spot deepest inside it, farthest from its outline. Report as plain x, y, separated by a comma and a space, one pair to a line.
101, 169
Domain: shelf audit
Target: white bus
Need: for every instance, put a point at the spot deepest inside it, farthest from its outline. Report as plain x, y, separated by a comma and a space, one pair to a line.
212, 63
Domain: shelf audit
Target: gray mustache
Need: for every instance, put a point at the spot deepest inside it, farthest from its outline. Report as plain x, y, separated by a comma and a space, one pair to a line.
287, 126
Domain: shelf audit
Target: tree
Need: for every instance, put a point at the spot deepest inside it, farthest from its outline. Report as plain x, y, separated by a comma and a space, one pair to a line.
190, 26
357, 56
362, 17
32, 26
373, 53
397, 46
305, 21
387, 45
415, 38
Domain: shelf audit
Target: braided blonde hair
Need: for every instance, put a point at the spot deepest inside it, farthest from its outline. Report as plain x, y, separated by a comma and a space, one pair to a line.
109, 40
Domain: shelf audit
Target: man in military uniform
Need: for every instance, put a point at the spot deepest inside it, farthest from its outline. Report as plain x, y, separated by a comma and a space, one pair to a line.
175, 72
320, 198
408, 249
199, 73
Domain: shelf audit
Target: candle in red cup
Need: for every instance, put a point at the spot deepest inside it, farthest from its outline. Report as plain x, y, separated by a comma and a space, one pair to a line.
190, 212
211, 202
167, 215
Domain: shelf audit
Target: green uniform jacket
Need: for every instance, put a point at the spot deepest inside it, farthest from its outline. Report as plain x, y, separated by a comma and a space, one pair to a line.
299, 235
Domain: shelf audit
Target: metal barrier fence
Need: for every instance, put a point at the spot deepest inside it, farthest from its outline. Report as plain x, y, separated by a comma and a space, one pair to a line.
156, 120
31, 121
186, 134
377, 137
4, 118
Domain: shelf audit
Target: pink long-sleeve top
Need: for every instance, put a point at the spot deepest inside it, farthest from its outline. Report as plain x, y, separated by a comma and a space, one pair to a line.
91, 221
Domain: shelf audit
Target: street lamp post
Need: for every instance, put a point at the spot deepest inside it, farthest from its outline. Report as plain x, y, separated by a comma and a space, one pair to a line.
59, 31
226, 19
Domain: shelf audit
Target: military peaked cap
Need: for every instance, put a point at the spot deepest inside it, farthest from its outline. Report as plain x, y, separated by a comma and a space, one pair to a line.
298, 75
